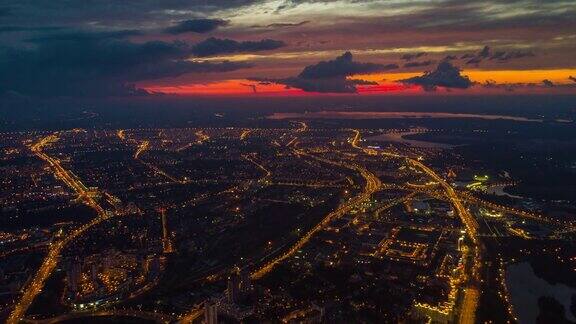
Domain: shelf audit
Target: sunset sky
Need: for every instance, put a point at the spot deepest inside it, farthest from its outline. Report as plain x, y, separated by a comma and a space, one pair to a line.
286, 47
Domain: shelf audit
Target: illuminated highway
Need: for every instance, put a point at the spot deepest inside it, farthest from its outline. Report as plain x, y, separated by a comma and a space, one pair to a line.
467, 218
121, 134
78, 316
267, 172
141, 148
468, 308
522, 213
303, 127
166, 241
437, 187
372, 185
162, 172
309, 184
470, 198
469, 305
393, 203
245, 134
49, 263
189, 317
202, 136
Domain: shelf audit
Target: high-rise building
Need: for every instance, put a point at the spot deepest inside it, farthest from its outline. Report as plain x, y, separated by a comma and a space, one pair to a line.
151, 266
233, 288
210, 313
460, 243
94, 272
73, 276
245, 282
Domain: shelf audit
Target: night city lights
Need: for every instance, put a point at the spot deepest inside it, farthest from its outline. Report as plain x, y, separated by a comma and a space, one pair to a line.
287, 161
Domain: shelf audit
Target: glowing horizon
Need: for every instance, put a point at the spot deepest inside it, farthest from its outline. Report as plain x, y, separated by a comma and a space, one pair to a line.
387, 83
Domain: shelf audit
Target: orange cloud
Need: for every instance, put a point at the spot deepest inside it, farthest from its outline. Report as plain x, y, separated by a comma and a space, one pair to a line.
387, 83
559, 76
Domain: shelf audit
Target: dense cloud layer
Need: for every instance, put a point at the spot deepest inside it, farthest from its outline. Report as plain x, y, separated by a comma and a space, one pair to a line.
201, 25
81, 36
411, 56
418, 64
340, 67
216, 46
4, 11
500, 56
332, 76
96, 65
548, 83
113, 12
282, 25
446, 75
58, 61
506, 56
306, 28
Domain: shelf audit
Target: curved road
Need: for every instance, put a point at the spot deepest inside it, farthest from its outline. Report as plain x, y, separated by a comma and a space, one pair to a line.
55, 248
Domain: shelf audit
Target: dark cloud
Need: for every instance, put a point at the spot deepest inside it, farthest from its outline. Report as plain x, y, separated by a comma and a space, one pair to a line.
517, 54
465, 16
503, 56
332, 76
216, 46
342, 66
391, 66
500, 56
450, 57
572, 78
324, 85
484, 53
282, 25
454, 16
116, 13
4, 12
8, 29
251, 86
470, 16
418, 64
474, 60
446, 75
477, 57
412, 56
200, 25
491, 84
416, 24
96, 66
82, 36
544, 84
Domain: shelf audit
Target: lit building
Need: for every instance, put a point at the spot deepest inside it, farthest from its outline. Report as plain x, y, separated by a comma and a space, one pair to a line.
233, 288
460, 243
210, 313
245, 282
152, 266
74, 276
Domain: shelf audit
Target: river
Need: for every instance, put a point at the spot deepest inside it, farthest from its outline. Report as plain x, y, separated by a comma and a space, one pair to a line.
525, 288
329, 114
